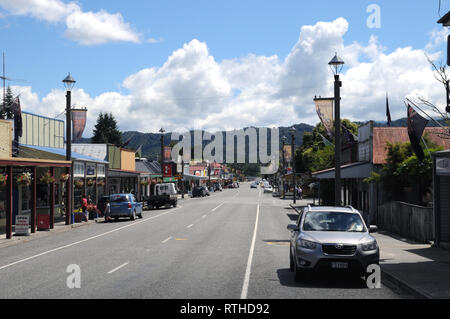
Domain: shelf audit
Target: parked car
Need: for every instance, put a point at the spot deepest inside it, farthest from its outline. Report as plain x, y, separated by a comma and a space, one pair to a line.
268, 189
206, 191
198, 191
125, 205
217, 187
163, 195
332, 239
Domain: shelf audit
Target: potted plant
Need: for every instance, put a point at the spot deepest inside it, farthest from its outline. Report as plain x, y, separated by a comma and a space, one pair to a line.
78, 183
90, 182
101, 183
144, 182
24, 179
3, 179
64, 177
47, 178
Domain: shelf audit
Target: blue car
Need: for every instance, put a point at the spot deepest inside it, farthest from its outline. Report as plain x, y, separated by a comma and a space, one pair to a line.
125, 205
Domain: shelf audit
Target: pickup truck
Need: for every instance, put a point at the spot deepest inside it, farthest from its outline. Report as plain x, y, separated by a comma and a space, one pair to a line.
124, 205
162, 195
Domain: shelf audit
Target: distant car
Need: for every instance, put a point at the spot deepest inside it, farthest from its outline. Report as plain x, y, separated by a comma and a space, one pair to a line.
217, 187
253, 185
206, 191
125, 205
198, 191
268, 189
333, 239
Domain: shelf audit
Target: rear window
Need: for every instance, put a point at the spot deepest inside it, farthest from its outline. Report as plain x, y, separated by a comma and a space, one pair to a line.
119, 199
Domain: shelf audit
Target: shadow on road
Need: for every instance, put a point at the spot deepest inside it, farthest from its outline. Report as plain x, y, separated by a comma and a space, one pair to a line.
293, 217
322, 280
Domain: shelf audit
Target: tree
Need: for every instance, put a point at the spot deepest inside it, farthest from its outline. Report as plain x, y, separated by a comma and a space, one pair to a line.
106, 130
6, 113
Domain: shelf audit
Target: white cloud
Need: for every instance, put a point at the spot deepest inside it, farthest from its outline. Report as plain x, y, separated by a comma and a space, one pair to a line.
193, 90
86, 28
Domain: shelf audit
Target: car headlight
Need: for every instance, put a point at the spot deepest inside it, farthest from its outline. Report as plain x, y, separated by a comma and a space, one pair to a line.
306, 244
369, 246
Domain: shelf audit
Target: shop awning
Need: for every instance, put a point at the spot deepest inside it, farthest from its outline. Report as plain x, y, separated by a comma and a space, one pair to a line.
120, 173
18, 161
351, 171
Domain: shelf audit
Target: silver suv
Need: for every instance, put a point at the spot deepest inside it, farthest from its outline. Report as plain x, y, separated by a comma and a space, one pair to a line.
331, 238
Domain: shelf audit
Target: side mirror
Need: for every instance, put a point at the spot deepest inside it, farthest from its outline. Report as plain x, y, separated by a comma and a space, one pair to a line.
373, 229
292, 227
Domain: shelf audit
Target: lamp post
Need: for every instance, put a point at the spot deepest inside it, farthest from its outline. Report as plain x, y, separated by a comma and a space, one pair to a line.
336, 65
292, 131
69, 83
162, 131
284, 139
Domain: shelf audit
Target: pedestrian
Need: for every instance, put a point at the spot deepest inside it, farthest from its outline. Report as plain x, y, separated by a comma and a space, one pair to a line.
84, 204
106, 212
300, 192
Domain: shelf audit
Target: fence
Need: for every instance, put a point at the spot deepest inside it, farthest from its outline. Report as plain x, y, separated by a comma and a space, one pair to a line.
410, 221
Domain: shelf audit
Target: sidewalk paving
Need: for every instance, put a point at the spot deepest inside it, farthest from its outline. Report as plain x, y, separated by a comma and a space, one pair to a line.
421, 270
59, 227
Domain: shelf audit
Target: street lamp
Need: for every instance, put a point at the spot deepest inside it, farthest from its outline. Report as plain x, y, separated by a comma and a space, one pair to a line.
162, 131
69, 83
336, 65
292, 131
284, 139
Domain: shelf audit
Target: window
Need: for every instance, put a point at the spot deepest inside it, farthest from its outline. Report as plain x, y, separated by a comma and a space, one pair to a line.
100, 170
78, 169
90, 169
333, 222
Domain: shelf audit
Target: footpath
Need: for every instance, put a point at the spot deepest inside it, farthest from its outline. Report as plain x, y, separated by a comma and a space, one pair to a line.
423, 271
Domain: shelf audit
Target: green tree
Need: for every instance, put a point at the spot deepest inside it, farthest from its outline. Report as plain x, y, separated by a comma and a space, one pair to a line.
106, 130
6, 112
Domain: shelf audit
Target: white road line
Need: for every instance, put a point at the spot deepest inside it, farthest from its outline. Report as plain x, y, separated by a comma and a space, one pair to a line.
166, 240
250, 258
190, 225
117, 268
204, 216
87, 239
217, 207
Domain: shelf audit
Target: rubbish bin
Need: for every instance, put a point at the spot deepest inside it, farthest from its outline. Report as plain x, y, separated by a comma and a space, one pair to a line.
43, 222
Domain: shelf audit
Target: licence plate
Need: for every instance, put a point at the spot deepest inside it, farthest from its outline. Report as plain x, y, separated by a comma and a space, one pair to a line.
336, 265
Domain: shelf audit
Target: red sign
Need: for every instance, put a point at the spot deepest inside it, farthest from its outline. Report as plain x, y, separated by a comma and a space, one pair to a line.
167, 170
43, 222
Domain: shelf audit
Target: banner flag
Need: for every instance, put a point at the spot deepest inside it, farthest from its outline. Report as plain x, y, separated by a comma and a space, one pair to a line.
78, 123
416, 126
17, 110
324, 108
388, 112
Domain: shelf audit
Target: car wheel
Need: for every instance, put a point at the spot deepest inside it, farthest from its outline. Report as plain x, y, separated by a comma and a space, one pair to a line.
140, 216
175, 204
133, 216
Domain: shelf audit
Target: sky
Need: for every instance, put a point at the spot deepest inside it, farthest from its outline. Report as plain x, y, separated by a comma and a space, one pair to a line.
220, 65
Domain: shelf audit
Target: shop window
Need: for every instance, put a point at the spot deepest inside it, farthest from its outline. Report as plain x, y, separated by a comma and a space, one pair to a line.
2, 209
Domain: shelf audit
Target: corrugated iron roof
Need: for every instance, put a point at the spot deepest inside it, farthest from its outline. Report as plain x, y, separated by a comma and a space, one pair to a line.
382, 135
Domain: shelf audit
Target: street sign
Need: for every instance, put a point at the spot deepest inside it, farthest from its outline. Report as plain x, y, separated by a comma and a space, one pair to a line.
22, 225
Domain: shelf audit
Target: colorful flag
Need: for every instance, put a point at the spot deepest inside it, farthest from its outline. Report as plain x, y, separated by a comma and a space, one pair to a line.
416, 126
78, 123
388, 112
324, 108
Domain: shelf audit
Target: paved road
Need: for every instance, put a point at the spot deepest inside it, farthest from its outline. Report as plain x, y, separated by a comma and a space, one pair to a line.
230, 245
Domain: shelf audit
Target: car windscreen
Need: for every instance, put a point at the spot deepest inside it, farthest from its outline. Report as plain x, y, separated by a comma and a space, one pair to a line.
333, 222
119, 199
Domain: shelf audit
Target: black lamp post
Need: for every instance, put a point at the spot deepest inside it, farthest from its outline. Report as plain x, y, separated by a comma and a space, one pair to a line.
162, 131
284, 139
292, 131
69, 83
336, 65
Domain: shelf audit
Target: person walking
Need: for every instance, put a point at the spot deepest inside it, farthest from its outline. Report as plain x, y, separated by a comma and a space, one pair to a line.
84, 204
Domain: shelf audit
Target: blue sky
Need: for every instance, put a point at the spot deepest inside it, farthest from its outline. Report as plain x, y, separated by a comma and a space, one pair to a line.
39, 49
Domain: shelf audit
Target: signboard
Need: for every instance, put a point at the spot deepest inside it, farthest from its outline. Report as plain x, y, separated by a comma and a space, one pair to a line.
90, 169
167, 170
78, 123
22, 225
167, 154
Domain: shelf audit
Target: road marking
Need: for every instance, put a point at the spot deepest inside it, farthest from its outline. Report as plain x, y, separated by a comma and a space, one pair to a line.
190, 225
88, 239
166, 240
250, 258
204, 216
180, 239
217, 207
117, 268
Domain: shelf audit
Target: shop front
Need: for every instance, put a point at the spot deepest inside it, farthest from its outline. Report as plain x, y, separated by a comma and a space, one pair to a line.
33, 188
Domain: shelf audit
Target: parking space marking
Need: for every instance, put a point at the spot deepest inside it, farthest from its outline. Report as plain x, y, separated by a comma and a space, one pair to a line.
166, 240
117, 268
217, 207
